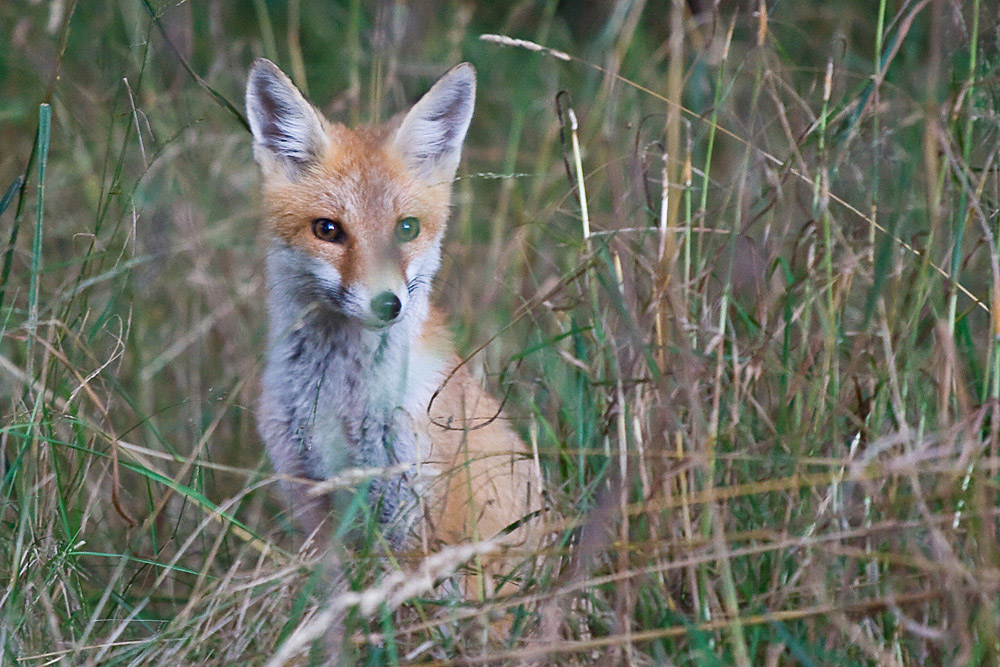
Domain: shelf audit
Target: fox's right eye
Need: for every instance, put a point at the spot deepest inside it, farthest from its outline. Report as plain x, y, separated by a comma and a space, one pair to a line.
329, 230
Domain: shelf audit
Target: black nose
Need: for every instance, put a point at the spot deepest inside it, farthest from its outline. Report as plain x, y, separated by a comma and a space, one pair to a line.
386, 306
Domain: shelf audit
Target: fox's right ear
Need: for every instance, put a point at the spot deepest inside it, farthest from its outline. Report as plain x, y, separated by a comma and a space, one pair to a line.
431, 134
286, 128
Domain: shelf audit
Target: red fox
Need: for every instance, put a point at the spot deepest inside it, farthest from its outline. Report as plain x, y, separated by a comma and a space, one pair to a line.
354, 224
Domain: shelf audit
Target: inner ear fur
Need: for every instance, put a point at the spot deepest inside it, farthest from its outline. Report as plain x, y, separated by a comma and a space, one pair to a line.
430, 135
286, 128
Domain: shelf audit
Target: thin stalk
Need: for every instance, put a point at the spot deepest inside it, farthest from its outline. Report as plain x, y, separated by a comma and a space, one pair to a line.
966, 139
664, 205
266, 29
623, 474
704, 578
581, 188
5, 202
880, 28
706, 173
713, 525
662, 282
822, 201
688, 223
295, 47
354, 60
44, 129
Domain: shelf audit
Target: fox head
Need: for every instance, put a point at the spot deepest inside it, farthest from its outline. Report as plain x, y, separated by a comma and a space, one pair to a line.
356, 216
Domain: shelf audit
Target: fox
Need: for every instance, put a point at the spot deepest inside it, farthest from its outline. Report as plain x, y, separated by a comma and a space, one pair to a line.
360, 369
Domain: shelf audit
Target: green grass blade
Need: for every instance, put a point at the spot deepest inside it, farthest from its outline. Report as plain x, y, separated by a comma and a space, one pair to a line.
44, 130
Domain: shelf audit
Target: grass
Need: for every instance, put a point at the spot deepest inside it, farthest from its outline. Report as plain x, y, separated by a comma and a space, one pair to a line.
745, 306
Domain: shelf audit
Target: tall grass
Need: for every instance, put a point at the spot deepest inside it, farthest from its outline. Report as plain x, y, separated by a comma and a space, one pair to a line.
735, 274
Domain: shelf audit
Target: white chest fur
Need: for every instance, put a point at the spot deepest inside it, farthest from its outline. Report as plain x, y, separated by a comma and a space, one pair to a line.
342, 396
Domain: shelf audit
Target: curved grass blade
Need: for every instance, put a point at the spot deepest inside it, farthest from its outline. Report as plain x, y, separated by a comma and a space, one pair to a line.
15, 187
216, 95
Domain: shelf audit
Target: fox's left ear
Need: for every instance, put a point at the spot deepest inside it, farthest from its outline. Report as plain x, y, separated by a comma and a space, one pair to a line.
431, 135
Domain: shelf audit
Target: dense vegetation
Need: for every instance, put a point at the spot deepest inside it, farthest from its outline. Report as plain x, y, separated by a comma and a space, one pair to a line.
751, 325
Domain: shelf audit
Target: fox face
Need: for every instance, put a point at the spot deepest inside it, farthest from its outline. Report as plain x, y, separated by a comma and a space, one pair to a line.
356, 216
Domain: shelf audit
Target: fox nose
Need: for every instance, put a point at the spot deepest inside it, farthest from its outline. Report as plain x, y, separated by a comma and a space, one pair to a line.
386, 306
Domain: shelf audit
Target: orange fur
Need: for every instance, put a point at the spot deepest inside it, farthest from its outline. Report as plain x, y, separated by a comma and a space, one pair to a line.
488, 481
358, 161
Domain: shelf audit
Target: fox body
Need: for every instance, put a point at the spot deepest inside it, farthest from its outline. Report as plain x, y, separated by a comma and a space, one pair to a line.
354, 222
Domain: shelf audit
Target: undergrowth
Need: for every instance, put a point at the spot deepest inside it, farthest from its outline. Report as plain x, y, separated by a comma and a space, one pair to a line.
734, 271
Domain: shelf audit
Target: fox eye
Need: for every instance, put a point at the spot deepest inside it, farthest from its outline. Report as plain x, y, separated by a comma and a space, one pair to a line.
407, 229
329, 230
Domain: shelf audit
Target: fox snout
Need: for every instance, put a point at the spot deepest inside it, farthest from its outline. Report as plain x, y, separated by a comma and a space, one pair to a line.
381, 288
381, 306
386, 306
377, 303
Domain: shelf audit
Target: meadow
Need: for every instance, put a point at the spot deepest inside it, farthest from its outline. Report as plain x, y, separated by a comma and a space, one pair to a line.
732, 266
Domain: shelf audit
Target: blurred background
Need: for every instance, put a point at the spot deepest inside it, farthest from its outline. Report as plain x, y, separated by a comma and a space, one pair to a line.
762, 379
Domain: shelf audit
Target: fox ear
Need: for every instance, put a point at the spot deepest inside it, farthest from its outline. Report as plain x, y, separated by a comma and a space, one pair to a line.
431, 135
285, 127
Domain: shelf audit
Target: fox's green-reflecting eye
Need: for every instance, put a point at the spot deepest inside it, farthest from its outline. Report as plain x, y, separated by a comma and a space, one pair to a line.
329, 230
407, 229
